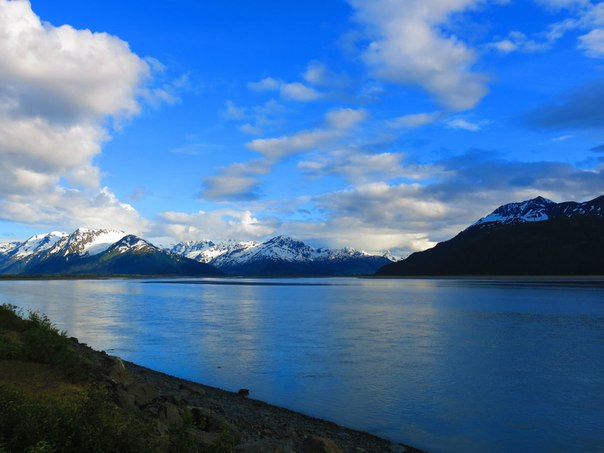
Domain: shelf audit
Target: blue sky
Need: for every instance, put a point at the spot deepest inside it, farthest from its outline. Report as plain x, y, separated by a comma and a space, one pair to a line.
367, 123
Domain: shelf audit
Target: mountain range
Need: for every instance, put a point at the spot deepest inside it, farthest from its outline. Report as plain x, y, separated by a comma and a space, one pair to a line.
94, 252
111, 252
281, 256
533, 237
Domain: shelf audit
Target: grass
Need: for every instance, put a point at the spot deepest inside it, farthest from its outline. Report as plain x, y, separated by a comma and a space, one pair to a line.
55, 397
48, 400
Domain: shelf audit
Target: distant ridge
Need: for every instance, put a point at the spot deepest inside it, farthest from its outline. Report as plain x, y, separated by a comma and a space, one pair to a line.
533, 237
111, 252
281, 256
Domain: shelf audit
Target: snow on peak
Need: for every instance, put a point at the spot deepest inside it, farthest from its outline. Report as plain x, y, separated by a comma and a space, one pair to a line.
86, 241
535, 210
38, 243
131, 242
206, 251
540, 209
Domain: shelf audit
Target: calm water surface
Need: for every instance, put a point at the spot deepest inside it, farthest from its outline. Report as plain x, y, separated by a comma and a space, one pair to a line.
445, 365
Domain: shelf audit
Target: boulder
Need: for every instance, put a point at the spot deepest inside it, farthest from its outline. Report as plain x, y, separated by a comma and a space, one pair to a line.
143, 393
125, 399
118, 374
172, 415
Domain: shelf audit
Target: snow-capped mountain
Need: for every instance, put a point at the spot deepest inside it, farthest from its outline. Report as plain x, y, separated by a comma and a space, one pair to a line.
88, 251
207, 251
533, 237
104, 252
541, 209
280, 255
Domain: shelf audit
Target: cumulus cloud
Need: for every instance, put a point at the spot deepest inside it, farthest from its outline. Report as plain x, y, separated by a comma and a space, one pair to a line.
58, 85
593, 43
408, 47
71, 209
444, 199
299, 92
215, 225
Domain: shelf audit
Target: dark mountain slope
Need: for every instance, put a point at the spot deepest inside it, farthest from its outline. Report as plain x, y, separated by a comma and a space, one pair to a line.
560, 244
131, 255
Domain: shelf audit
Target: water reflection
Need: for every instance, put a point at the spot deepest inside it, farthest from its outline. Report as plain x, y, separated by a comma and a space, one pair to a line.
447, 365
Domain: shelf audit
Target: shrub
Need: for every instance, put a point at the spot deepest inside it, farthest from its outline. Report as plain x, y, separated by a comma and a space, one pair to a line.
91, 424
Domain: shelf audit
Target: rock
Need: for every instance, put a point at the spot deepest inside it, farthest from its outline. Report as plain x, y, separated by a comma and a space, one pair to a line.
207, 420
316, 444
243, 392
172, 415
193, 390
143, 393
125, 399
266, 446
118, 373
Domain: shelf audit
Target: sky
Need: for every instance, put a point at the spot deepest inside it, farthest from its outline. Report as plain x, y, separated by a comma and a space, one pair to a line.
375, 124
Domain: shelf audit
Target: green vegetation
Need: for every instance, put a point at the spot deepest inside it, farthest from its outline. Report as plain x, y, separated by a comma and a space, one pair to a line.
57, 395
48, 402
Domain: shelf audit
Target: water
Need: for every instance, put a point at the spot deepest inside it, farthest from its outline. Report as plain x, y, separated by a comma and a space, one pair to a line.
445, 365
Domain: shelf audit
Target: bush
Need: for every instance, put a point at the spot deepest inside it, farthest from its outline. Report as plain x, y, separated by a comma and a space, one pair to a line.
91, 424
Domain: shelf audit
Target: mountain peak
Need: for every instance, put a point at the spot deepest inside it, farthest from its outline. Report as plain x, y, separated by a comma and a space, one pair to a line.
534, 210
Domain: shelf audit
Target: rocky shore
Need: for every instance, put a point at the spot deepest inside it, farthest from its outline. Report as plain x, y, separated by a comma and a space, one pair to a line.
255, 426
57, 394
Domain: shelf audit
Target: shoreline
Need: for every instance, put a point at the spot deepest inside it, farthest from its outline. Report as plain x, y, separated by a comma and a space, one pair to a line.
264, 427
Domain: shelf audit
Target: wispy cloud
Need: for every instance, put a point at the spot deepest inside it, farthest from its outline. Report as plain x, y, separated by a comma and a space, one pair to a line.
415, 120
338, 122
295, 91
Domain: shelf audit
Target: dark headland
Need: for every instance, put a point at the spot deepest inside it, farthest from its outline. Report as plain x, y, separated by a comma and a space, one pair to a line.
57, 394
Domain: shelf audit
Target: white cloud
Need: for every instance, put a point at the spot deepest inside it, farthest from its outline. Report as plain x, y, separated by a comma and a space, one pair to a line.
357, 167
462, 123
58, 86
266, 84
63, 72
232, 112
339, 121
517, 41
593, 43
345, 118
238, 181
294, 91
215, 225
316, 73
581, 15
71, 209
299, 92
415, 120
249, 128
408, 47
